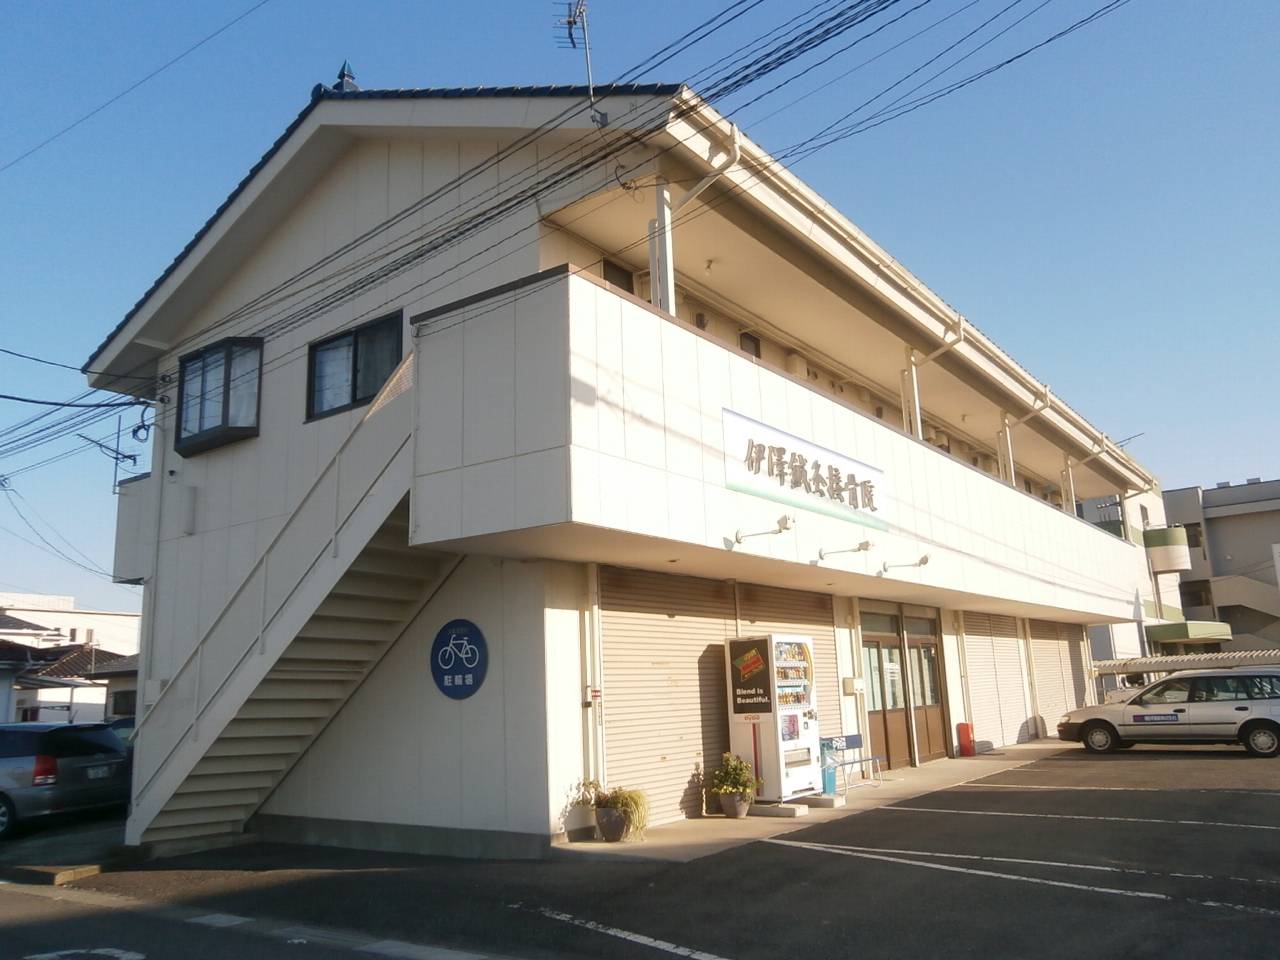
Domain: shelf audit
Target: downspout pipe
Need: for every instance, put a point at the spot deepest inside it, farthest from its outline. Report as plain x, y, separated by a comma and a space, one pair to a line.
662, 282
735, 154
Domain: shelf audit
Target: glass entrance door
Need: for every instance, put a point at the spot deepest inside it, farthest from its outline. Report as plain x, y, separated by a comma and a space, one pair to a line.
926, 687
886, 699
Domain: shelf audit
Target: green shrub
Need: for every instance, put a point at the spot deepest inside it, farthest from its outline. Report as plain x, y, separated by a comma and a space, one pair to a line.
735, 776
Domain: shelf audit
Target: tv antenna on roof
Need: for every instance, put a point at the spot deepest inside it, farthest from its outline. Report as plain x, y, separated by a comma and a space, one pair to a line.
575, 19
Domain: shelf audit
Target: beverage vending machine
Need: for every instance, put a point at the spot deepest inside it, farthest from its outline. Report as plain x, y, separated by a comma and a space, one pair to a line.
773, 713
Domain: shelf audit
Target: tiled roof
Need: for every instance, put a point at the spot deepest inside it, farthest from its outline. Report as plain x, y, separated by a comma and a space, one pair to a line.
321, 93
11, 652
116, 668
77, 661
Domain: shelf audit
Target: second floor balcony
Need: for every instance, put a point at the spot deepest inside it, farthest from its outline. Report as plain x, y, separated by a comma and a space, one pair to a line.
560, 417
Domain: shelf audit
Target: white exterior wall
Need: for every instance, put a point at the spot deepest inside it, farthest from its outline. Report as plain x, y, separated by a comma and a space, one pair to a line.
244, 491
400, 752
64, 704
645, 450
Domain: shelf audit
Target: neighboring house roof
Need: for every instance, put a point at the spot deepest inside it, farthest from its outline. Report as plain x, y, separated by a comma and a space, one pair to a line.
8, 623
321, 93
77, 661
22, 655
123, 666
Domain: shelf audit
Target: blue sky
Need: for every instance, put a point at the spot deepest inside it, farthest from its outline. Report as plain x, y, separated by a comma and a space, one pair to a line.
1104, 209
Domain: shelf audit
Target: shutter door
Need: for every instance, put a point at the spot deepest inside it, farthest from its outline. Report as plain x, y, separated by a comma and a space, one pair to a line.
1051, 667
996, 682
984, 693
665, 707
774, 610
1015, 719
1061, 677
1077, 672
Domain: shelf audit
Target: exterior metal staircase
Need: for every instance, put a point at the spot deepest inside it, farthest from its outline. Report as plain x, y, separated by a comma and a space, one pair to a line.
334, 590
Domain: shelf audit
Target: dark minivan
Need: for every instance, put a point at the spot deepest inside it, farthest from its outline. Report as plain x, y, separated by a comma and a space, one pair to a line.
48, 768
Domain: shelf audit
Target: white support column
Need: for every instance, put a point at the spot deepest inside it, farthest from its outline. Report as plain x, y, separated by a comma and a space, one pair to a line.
913, 394
662, 274
1068, 485
1004, 444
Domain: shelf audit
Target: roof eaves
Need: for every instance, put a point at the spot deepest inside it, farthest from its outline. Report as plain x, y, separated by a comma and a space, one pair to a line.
321, 93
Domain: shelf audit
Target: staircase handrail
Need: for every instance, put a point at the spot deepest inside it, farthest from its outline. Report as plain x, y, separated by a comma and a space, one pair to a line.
399, 381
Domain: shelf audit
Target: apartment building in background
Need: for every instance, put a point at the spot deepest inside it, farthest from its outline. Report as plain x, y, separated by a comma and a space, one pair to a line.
1233, 531
469, 512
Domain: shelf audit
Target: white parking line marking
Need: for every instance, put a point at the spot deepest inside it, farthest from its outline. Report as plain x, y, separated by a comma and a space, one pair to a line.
1051, 786
1078, 816
640, 938
1040, 881
1138, 894
1100, 868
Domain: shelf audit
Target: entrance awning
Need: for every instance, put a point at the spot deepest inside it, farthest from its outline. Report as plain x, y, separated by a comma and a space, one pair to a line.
1188, 661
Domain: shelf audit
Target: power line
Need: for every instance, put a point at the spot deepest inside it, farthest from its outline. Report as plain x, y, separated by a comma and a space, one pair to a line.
63, 403
66, 366
132, 87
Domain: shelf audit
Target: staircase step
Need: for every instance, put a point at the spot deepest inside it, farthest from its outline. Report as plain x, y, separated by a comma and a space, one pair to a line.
346, 652
288, 689
336, 628
287, 709
213, 782
348, 671
419, 567
391, 538
201, 816
192, 831
355, 608
377, 586
253, 727
209, 800
264, 746
246, 763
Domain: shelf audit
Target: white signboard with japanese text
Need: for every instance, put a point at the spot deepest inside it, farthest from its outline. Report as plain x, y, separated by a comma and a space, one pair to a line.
766, 462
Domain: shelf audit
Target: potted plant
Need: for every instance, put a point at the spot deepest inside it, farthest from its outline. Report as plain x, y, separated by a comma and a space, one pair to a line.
736, 784
621, 813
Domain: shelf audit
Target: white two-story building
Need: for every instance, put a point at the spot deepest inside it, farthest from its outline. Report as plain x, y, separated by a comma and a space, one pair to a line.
481, 428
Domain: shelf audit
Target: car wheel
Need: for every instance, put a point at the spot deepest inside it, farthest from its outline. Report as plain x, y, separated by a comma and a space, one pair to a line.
1261, 739
8, 818
1099, 737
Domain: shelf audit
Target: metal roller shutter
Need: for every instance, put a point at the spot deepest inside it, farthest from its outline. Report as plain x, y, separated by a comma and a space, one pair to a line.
775, 610
1060, 674
664, 694
997, 685
1050, 666
1078, 671
1015, 715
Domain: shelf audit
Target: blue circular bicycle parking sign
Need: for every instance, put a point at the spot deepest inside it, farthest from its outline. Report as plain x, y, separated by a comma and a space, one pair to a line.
459, 659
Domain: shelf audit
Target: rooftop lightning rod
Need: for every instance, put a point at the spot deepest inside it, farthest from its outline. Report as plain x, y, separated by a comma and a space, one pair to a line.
575, 18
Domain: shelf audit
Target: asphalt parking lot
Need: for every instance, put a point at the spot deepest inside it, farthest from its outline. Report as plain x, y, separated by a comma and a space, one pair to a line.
1148, 852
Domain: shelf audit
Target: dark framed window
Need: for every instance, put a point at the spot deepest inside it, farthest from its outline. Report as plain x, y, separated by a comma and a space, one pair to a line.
349, 369
749, 343
124, 703
218, 395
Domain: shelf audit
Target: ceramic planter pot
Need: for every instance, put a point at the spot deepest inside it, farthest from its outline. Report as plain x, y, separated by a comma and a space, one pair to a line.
612, 823
735, 805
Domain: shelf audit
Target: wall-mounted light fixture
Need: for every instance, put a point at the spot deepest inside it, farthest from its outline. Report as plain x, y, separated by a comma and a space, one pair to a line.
886, 567
784, 523
863, 547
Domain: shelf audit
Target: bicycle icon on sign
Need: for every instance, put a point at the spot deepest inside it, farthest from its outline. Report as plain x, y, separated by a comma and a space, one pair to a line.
458, 648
